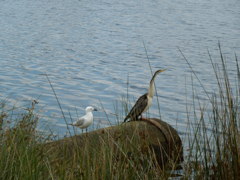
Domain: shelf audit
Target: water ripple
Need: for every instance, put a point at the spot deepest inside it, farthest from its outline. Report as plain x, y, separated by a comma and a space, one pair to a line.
93, 52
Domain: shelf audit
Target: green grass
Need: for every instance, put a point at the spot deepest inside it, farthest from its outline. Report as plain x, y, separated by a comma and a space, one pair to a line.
26, 154
213, 144
214, 139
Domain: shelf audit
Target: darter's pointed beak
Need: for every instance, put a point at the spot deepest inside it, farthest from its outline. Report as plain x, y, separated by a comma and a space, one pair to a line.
162, 70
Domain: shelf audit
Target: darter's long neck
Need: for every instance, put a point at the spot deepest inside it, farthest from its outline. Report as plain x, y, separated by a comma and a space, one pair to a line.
151, 89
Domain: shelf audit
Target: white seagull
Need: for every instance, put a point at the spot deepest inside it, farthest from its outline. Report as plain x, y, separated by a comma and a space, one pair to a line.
86, 120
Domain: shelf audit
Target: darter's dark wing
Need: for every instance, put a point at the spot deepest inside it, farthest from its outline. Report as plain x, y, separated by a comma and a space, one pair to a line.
138, 108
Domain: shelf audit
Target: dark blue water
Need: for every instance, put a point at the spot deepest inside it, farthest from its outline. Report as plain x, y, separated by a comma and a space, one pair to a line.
92, 49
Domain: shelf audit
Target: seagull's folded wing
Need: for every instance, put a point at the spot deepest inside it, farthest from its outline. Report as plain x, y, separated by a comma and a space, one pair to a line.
80, 121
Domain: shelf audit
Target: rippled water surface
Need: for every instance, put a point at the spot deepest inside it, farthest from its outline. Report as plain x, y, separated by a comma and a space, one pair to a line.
91, 50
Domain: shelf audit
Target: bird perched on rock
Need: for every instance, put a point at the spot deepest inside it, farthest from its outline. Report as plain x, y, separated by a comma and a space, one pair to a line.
86, 120
144, 102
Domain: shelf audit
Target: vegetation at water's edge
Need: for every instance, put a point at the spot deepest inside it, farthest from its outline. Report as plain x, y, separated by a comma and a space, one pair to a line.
213, 138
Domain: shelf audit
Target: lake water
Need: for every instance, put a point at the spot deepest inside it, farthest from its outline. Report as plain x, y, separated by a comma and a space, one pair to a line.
91, 50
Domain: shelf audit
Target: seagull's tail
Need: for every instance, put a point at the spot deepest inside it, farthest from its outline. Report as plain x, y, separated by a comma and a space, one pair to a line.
71, 124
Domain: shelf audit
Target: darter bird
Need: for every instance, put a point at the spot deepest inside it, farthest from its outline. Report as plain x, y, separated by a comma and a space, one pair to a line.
144, 101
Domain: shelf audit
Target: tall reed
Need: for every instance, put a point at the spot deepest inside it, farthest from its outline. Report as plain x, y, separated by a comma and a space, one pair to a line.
214, 139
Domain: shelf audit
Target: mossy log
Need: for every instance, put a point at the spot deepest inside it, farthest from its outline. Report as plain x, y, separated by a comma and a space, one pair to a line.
135, 141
